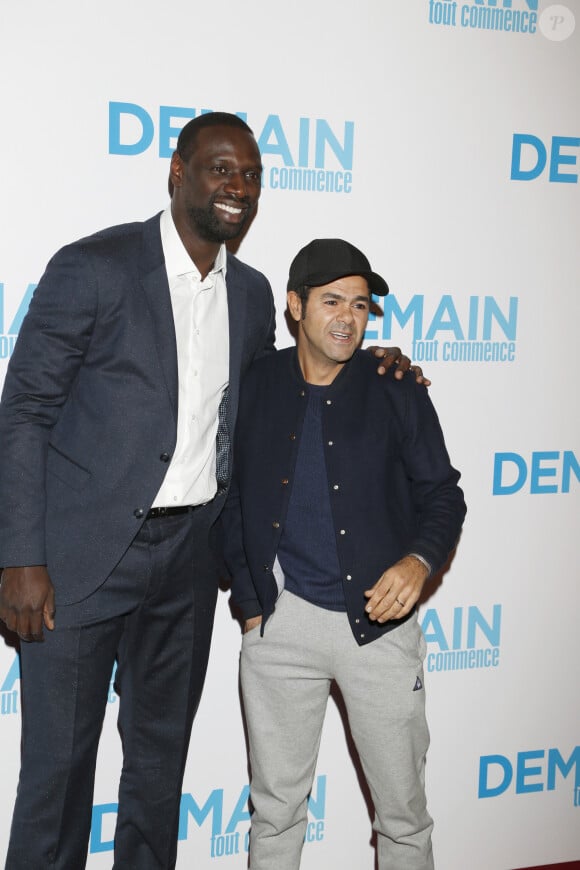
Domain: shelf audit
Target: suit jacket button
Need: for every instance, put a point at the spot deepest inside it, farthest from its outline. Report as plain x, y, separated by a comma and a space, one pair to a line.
275, 524
284, 481
139, 513
164, 457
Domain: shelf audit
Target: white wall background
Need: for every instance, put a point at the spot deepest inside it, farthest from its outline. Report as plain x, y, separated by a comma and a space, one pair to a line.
435, 109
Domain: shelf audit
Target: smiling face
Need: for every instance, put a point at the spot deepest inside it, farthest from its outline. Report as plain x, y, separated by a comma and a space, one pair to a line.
216, 189
331, 326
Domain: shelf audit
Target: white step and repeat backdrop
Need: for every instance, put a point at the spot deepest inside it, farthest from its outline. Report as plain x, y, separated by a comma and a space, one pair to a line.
444, 139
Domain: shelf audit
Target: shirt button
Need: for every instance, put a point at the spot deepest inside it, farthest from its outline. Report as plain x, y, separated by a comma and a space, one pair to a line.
164, 457
349, 576
266, 567
335, 486
138, 513
302, 393
330, 443
362, 637
275, 524
357, 621
343, 531
329, 401
292, 436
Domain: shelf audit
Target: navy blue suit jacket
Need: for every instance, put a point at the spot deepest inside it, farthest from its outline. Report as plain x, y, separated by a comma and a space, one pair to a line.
89, 407
391, 486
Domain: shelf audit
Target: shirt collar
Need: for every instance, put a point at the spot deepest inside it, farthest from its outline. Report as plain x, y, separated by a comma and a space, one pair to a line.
177, 260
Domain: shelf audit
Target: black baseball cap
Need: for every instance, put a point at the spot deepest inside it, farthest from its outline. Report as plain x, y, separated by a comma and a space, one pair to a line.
324, 260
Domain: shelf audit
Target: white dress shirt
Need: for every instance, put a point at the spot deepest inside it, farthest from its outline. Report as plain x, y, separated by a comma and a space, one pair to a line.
200, 314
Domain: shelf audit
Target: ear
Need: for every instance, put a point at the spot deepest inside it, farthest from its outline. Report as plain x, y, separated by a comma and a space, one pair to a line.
294, 305
176, 169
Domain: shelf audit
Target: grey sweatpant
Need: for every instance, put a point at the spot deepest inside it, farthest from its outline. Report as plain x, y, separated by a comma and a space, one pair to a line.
286, 677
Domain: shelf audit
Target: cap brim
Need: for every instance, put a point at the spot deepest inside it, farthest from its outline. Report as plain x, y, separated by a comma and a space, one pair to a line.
377, 285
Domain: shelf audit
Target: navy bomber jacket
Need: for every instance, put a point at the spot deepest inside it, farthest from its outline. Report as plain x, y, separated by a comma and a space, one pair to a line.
392, 488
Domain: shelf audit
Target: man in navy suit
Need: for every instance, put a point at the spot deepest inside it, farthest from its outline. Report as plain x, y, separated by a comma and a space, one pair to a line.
114, 429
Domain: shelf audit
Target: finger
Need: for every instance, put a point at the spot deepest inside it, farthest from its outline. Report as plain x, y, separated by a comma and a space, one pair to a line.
388, 354
397, 610
35, 630
419, 376
381, 604
383, 613
404, 603
48, 611
390, 599
10, 621
375, 595
20, 624
403, 363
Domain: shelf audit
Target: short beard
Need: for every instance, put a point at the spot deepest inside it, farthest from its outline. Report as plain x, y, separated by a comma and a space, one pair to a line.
209, 227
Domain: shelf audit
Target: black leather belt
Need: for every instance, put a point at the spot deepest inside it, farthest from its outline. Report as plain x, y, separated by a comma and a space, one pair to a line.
156, 512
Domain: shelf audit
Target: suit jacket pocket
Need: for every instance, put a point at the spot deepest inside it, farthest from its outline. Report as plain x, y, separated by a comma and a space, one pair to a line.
66, 470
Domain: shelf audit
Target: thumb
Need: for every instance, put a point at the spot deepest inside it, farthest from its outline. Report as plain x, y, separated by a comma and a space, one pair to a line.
48, 610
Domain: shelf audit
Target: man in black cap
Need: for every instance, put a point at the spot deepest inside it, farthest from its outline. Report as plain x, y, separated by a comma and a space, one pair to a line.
343, 503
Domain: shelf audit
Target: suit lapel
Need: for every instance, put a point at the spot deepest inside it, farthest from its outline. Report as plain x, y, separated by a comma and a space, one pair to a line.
156, 287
